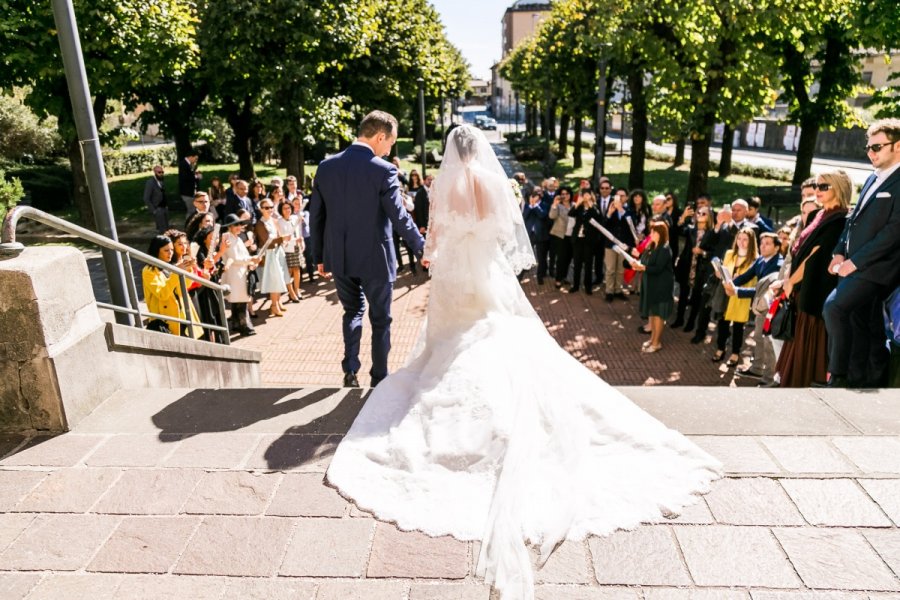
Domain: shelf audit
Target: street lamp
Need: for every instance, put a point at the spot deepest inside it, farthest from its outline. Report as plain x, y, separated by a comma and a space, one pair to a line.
421, 83
600, 125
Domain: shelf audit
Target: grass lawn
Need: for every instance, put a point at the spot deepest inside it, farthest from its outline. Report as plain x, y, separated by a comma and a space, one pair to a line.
659, 177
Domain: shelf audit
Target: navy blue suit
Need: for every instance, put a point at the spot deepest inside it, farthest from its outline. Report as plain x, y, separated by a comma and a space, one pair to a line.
354, 210
762, 267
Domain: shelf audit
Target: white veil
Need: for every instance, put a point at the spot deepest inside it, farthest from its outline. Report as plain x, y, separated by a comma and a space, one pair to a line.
472, 192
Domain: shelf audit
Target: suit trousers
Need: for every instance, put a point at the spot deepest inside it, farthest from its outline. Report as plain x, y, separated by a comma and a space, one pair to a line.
353, 293
189, 204
583, 255
764, 351
857, 345
541, 249
161, 218
562, 249
614, 277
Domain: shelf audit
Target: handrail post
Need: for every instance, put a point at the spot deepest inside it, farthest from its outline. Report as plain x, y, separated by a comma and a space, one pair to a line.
186, 299
220, 296
132, 289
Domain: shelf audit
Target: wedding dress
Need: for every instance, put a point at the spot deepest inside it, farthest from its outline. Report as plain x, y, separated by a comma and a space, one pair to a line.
492, 431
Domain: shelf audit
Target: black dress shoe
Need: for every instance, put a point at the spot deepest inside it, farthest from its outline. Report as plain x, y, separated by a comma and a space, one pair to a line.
698, 339
350, 380
609, 297
677, 323
768, 384
689, 327
376, 381
573, 289
838, 381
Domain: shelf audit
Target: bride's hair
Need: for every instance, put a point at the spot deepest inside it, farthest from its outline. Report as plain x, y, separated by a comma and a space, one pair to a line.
466, 141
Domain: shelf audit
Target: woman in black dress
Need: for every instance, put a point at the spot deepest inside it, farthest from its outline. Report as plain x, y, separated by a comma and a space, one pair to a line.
657, 284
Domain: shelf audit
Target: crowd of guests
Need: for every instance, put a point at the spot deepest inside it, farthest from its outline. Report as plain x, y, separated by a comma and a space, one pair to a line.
821, 278
250, 236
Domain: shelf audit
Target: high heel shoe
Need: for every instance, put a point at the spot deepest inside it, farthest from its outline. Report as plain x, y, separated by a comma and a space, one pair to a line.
733, 360
718, 355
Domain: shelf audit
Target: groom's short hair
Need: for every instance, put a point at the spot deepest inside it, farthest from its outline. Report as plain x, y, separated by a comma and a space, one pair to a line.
377, 122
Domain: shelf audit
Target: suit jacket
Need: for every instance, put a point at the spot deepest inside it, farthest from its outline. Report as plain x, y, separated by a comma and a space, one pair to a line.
762, 267
187, 178
618, 226
422, 209
871, 236
583, 217
235, 204
154, 194
355, 207
537, 221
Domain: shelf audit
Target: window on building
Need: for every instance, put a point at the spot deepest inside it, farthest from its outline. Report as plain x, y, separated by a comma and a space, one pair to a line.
867, 77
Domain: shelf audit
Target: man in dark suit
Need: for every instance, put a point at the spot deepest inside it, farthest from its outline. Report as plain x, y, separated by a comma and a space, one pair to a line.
535, 214
188, 180
422, 203
238, 200
866, 260
355, 202
155, 199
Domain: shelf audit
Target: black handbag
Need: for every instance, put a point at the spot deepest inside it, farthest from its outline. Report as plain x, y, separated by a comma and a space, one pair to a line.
784, 321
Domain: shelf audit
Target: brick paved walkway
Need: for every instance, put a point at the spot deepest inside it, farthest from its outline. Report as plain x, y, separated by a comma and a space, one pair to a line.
212, 494
305, 347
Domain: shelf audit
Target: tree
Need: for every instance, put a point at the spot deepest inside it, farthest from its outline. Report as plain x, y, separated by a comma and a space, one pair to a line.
123, 43
887, 99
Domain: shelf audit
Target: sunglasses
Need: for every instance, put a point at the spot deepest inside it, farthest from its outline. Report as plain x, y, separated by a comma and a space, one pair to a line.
267, 207
822, 186
876, 148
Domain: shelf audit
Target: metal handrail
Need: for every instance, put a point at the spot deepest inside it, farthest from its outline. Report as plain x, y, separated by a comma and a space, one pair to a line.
9, 247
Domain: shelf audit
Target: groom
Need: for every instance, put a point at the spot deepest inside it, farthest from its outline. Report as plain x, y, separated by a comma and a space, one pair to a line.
356, 198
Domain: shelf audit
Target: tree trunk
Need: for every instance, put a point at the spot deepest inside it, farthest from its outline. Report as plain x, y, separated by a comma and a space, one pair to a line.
82, 195
563, 134
291, 153
240, 119
727, 147
576, 144
679, 151
182, 136
806, 147
638, 129
542, 118
552, 125
699, 175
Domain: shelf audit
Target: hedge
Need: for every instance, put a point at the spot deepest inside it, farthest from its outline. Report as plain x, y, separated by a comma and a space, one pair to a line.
119, 162
47, 187
737, 168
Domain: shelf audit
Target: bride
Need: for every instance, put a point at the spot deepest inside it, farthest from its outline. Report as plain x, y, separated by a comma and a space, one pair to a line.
492, 431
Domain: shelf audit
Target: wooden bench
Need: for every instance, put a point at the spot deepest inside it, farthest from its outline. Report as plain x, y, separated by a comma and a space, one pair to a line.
777, 197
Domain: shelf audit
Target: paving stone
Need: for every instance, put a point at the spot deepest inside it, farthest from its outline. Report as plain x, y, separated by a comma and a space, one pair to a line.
582, 592
328, 548
886, 492
239, 546
652, 553
14, 586
232, 493
807, 455
69, 490
212, 450
738, 454
170, 587
694, 594
835, 559
872, 454
834, 502
77, 587
398, 553
65, 450
279, 588
144, 545
362, 590
303, 453
133, 450
9, 442
307, 495
149, 492
752, 501
449, 591
15, 485
806, 595
887, 544
11, 525
570, 563
57, 542
718, 555
874, 412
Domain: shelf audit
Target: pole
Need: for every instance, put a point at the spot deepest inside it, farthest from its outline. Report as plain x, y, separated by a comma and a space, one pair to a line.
600, 125
517, 112
443, 125
421, 83
89, 143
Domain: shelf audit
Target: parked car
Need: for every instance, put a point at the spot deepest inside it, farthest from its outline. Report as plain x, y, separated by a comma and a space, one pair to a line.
488, 123
479, 121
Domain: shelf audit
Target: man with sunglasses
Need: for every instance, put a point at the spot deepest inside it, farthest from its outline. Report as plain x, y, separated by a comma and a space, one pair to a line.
355, 208
867, 262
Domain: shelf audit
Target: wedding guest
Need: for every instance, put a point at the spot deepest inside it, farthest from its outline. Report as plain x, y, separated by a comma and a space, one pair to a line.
637, 202
804, 359
155, 198
217, 198
248, 238
237, 265
197, 222
737, 261
201, 205
616, 222
303, 223
674, 211
762, 224
657, 285
561, 234
273, 261
535, 215
584, 240
162, 291
289, 231
210, 263
692, 268
415, 182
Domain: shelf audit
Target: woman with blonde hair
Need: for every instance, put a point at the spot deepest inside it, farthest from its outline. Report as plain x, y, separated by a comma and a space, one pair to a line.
738, 260
804, 359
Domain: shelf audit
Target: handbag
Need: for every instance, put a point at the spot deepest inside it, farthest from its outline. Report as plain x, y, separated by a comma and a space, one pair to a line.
892, 316
784, 319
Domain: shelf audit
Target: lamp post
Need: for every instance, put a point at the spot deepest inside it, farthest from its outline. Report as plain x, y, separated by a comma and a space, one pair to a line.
600, 125
517, 112
421, 83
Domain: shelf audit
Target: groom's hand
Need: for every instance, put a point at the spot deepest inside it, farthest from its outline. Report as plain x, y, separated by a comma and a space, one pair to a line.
321, 270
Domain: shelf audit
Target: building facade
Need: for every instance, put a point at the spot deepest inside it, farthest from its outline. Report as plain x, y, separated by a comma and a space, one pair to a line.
520, 20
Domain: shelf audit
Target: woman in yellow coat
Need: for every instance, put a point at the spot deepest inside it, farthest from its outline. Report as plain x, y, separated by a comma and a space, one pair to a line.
162, 293
738, 260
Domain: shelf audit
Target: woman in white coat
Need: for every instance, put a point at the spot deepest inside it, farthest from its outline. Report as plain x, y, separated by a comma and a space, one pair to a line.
237, 265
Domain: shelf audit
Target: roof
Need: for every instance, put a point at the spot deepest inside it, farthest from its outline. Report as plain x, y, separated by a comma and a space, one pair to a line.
530, 5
